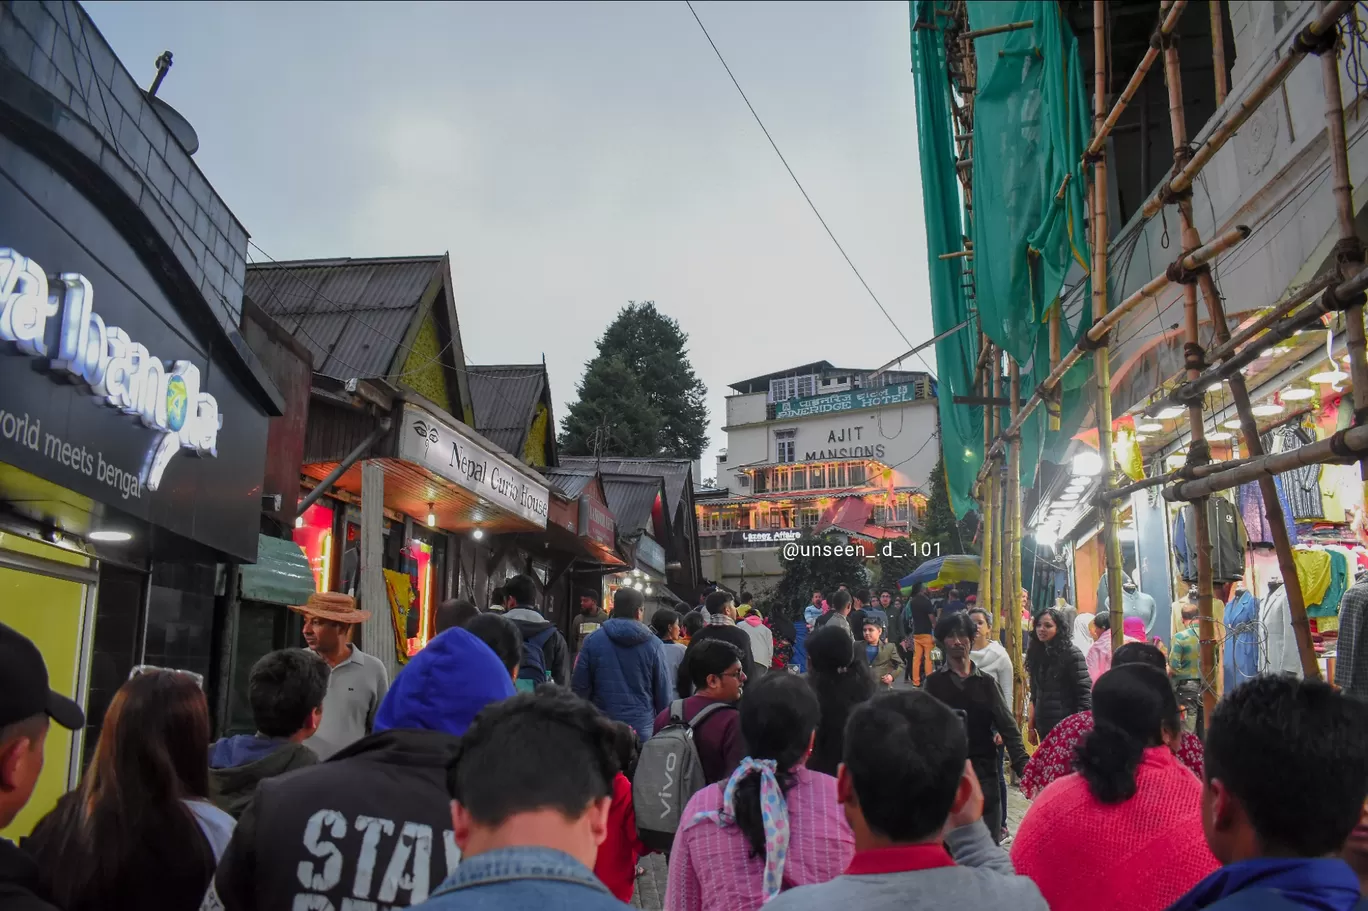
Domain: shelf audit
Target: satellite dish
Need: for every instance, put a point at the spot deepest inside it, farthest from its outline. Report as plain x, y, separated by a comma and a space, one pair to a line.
180, 128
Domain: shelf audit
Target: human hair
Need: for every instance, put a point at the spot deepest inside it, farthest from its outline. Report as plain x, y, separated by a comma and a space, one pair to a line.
958, 622
1190, 611
778, 718
1102, 620
662, 621
745, 598
1133, 707
626, 603
904, 753
916, 589
626, 748
454, 612
521, 589
1294, 753
1139, 653
839, 675
886, 591
1039, 654
497, 596
500, 768
125, 837
284, 688
864, 596
501, 635
587, 593
982, 612
708, 658
717, 602
693, 622
952, 595
840, 601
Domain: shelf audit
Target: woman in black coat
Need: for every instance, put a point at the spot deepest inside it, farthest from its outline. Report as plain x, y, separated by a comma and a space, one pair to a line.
840, 677
1060, 684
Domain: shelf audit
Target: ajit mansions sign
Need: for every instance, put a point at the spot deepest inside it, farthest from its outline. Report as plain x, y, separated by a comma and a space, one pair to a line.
55, 320
441, 448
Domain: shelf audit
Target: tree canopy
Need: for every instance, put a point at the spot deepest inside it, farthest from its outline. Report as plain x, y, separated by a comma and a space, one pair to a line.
639, 395
822, 572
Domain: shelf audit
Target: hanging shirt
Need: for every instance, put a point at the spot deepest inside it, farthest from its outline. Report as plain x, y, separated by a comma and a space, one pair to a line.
1302, 484
1313, 570
1241, 659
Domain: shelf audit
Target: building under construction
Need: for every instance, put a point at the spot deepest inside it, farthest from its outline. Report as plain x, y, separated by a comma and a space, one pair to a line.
1176, 261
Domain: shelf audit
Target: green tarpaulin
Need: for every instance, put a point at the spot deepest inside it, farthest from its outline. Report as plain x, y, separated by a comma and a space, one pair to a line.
281, 574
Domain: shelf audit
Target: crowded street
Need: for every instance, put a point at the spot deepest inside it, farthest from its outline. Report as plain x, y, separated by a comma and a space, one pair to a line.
683, 455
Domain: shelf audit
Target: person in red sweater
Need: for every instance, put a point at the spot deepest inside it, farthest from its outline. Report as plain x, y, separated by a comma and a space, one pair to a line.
1129, 794
616, 866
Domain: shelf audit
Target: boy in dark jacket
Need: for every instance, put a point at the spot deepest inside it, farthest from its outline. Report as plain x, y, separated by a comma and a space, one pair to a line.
884, 661
286, 690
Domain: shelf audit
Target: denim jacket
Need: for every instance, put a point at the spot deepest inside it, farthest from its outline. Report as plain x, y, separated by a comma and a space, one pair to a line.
522, 879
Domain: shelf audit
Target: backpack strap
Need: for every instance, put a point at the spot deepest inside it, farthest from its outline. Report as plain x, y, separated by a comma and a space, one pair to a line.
706, 712
677, 712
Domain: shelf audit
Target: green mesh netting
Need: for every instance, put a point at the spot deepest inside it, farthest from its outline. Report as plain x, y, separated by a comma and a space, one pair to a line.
1030, 129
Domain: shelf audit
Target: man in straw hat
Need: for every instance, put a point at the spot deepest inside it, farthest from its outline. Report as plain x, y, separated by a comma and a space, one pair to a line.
358, 681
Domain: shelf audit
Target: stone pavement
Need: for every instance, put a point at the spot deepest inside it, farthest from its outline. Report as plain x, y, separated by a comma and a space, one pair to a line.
650, 888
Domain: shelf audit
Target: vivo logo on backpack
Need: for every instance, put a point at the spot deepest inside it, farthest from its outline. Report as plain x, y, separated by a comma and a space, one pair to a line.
671, 763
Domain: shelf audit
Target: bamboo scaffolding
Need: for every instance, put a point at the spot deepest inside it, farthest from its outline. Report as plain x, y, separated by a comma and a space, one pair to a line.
1011, 597
988, 551
1218, 58
1001, 516
1111, 545
1137, 79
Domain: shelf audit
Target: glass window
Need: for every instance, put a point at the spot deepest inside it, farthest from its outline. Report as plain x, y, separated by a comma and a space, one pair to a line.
817, 477
809, 516
799, 478
836, 476
761, 481
786, 450
855, 474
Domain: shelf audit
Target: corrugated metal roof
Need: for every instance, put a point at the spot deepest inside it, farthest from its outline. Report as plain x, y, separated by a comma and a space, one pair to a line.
674, 472
352, 314
631, 500
569, 483
504, 398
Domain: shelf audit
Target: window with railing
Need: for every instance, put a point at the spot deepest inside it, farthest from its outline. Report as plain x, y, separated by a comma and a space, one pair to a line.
825, 476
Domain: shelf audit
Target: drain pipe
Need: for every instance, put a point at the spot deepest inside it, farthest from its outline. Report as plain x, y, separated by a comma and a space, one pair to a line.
352, 457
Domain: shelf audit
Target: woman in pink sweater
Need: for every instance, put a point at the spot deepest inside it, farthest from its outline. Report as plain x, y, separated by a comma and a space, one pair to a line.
1129, 797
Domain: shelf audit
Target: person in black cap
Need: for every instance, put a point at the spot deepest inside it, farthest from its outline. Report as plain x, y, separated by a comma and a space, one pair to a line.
27, 704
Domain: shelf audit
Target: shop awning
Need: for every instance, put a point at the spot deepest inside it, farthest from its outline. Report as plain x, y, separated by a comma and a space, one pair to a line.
281, 574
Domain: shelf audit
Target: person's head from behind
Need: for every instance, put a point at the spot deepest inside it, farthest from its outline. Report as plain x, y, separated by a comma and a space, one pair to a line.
1101, 622
779, 725
1139, 653
1286, 770
955, 633
286, 690
27, 706
497, 597
917, 590
588, 601
454, 612
665, 623
628, 604
873, 631
626, 746
840, 602
745, 598
503, 792
983, 626
520, 591
904, 768
862, 598
720, 602
693, 622
715, 669
1133, 709
953, 595
502, 636
1190, 613
830, 650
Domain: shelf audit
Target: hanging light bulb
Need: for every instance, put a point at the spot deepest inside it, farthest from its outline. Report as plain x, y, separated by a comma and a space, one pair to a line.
1046, 537
432, 517
477, 534
648, 589
1087, 464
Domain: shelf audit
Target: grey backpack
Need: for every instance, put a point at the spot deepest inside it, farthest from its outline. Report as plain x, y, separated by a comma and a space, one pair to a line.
668, 773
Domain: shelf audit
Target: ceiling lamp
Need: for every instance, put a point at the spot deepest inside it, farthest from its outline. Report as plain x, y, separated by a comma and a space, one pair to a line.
1149, 427
477, 534
1298, 394
1069, 496
1087, 464
1232, 424
1219, 436
432, 517
1046, 537
648, 589
110, 537
1079, 484
1171, 412
1266, 410
1333, 375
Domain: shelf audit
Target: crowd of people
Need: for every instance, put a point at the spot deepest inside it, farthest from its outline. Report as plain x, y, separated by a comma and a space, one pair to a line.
777, 763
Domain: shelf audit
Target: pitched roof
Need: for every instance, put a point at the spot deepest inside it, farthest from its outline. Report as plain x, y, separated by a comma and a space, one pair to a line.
505, 400
569, 482
675, 472
631, 500
352, 314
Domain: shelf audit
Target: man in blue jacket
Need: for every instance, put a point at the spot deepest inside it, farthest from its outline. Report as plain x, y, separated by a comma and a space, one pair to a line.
1286, 778
622, 668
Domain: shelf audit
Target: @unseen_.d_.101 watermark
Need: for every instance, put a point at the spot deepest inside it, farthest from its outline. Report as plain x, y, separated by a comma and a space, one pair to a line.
794, 550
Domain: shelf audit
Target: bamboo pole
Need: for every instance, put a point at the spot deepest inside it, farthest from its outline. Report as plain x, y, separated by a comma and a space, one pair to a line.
989, 551
1198, 448
1052, 409
1111, 545
1001, 514
1012, 596
1218, 58
1354, 440
1137, 79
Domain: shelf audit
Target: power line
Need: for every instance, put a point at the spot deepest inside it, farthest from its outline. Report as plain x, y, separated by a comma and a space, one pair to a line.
874, 297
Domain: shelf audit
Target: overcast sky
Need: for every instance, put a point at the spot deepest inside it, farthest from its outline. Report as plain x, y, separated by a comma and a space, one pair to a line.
572, 157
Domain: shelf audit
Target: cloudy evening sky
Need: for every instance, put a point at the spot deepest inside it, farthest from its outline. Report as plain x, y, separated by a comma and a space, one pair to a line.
572, 157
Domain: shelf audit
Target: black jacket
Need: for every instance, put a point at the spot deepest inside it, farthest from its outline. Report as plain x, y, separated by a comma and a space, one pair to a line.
19, 886
985, 713
1060, 686
373, 824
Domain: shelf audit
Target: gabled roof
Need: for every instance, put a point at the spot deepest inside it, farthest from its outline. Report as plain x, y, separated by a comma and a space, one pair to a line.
631, 500
505, 400
674, 472
354, 315
571, 482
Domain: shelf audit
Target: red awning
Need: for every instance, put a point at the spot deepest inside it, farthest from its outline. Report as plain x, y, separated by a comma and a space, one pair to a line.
847, 512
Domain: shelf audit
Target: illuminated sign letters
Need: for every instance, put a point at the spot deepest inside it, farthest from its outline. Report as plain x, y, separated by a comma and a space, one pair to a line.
119, 371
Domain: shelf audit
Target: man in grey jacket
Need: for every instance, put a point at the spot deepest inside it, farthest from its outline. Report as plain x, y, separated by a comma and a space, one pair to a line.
913, 801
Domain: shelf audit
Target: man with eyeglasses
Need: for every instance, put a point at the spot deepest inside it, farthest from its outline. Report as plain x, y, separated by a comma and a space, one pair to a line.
714, 666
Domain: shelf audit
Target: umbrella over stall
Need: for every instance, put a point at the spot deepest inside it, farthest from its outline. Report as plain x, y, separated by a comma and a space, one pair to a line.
942, 571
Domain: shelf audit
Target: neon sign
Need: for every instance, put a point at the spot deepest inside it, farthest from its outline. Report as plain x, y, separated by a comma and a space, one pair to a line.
119, 372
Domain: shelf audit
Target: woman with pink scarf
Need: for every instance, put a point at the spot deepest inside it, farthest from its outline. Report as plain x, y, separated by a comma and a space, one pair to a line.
1099, 655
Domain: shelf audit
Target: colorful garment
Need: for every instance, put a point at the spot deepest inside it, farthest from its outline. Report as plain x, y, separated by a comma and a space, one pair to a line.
1185, 654
1241, 660
1054, 757
1329, 604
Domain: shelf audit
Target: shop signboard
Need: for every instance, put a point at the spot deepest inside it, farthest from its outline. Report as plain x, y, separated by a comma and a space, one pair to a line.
108, 389
432, 443
596, 522
766, 538
650, 554
845, 401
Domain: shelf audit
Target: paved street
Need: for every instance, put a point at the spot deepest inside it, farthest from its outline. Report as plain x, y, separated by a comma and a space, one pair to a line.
650, 891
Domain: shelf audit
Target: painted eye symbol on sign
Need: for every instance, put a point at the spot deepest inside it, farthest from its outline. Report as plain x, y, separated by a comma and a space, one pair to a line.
425, 432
